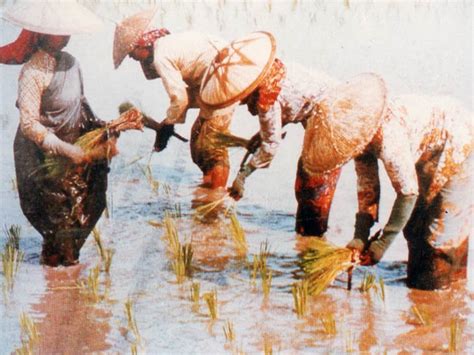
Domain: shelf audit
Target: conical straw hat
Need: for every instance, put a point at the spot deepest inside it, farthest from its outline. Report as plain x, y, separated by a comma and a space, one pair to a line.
344, 122
128, 31
237, 70
53, 17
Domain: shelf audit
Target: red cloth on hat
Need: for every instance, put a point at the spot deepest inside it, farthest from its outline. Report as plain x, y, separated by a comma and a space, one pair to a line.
19, 51
149, 38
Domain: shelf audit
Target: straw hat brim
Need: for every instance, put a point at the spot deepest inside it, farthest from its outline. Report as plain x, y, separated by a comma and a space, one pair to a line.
235, 73
128, 31
53, 17
344, 122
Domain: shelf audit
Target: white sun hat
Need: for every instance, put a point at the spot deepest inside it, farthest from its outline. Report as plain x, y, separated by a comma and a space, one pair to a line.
128, 31
237, 70
345, 120
53, 17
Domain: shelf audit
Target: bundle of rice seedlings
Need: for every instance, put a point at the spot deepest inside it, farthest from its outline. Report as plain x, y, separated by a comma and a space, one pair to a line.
96, 143
203, 210
229, 332
238, 235
422, 316
322, 262
300, 295
182, 263
211, 301
259, 265
171, 234
12, 256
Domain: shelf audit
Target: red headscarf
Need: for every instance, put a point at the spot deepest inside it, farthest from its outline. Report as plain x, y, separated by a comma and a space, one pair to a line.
19, 51
148, 39
270, 87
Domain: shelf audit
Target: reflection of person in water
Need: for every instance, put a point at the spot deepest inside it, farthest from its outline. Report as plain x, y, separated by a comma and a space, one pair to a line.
69, 321
53, 114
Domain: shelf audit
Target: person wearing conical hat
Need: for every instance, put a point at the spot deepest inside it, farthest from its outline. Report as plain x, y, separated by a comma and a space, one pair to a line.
180, 60
425, 144
53, 114
280, 95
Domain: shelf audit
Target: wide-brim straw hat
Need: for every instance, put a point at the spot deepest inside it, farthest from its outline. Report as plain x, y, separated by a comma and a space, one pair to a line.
53, 17
128, 31
237, 70
344, 122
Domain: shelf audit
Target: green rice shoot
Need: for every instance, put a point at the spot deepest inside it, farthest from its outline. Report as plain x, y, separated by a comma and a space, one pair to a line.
455, 335
300, 296
29, 335
195, 295
329, 324
238, 235
211, 300
229, 331
131, 321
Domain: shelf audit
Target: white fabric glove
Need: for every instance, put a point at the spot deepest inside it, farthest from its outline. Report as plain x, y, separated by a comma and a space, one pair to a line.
53, 145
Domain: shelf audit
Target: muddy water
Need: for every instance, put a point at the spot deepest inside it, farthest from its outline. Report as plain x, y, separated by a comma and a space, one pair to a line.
348, 40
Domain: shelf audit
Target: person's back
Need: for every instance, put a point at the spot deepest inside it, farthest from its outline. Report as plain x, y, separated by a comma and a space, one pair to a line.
189, 52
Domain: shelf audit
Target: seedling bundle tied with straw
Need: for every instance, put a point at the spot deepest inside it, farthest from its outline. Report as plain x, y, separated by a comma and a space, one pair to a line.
322, 262
96, 144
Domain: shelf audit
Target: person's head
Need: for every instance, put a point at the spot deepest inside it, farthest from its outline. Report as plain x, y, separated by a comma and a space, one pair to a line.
53, 43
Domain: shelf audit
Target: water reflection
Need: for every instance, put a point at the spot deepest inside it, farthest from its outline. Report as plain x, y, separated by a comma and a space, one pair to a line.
70, 324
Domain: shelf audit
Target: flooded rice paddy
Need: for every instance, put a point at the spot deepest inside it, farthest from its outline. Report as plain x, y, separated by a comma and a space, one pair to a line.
141, 305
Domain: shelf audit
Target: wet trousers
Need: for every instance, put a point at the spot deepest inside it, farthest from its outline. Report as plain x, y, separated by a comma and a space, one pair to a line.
211, 159
438, 234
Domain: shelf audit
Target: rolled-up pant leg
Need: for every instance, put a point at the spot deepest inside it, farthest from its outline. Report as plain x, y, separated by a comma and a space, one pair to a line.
213, 161
314, 194
438, 235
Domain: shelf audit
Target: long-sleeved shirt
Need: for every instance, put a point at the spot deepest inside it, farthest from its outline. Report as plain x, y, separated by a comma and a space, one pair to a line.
35, 77
299, 94
181, 60
431, 133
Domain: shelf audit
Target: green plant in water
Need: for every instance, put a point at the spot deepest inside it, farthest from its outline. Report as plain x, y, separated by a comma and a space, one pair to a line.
98, 241
171, 234
90, 286
108, 255
182, 263
211, 301
29, 335
131, 321
421, 315
195, 295
329, 324
12, 256
300, 295
267, 345
455, 335
229, 332
266, 276
369, 282
238, 235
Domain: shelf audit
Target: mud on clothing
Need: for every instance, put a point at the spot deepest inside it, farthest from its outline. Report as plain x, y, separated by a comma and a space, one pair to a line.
63, 209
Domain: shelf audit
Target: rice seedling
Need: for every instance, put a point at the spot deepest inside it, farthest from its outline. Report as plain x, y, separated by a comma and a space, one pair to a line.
266, 282
238, 235
96, 143
155, 223
131, 321
382, 289
90, 286
12, 256
171, 234
133, 349
147, 172
207, 208
349, 342
422, 317
98, 241
329, 324
211, 301
267, 345
300, 295
29, 335
177, 210
107, 260
182, 263
322, 262
454, 335
195, 295
13, 235
368, 282
229, 332
14, 184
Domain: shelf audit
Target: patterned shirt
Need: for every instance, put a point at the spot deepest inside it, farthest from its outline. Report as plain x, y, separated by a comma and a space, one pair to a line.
431, 133
181, 60
35, 77
299, 94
